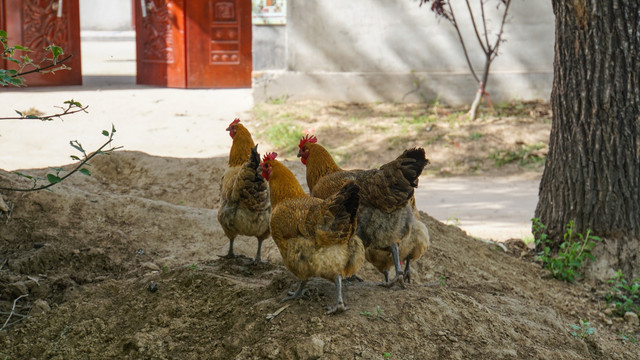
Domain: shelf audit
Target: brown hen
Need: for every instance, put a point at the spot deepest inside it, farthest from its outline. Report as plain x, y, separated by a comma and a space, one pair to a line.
316, 238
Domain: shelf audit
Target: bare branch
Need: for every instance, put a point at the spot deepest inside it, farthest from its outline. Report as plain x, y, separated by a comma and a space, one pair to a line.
486, 31
504, 20
464, 48
475, 26
66, 111
12, 311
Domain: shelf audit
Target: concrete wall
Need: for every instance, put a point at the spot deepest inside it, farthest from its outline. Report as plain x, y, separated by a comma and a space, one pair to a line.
269, 47
114, 15
394, 50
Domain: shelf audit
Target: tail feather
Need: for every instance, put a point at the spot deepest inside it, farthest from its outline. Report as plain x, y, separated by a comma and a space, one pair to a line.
413, 162
254, 158
336, 217
249, 186
392, 186
349, 196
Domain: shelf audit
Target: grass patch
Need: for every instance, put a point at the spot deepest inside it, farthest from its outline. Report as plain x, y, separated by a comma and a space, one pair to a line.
527, 154
284, 135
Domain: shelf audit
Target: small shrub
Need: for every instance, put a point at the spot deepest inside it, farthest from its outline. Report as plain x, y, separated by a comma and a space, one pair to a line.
582, 329
574, 251
624, 297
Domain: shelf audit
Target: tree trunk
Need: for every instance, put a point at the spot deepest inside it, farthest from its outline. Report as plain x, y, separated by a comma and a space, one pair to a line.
592, 173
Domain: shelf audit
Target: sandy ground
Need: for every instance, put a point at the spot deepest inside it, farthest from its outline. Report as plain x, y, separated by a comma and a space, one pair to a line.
190, 124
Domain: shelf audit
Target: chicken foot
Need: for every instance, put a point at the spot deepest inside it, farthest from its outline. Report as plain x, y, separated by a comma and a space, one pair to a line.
300, 292
230, 254
399, 274
257, 260
407, 272
339, 303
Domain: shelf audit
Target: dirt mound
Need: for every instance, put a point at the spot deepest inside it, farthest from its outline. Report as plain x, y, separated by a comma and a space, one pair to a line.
123, 264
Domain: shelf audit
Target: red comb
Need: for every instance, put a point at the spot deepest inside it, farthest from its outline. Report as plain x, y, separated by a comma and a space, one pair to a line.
236, 121
307, 138
269, 156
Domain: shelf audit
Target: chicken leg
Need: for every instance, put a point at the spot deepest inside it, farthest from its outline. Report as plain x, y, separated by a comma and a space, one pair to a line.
300, 292
257, 260
230, 253
407, 271
396, 262
339, 303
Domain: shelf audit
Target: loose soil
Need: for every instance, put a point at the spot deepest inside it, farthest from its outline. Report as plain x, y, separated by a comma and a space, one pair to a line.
124, 265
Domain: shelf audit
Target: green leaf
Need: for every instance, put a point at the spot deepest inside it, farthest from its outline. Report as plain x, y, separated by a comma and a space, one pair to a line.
73, 102
18, 112
85, 171
3, 33
105, 133
75, 157
77, 147
53, 179
23, 175
56, 51
14, 60
32, 117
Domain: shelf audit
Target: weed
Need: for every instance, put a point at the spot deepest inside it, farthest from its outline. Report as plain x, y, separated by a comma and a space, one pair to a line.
284, 135
582, 329
573, 252
624, 297
387, 355
453, 220
629, 337
370, 315
526, 155
443, 280
279, 100
475, 136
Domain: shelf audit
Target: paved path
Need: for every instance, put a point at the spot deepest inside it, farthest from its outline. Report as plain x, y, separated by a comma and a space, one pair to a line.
191, 123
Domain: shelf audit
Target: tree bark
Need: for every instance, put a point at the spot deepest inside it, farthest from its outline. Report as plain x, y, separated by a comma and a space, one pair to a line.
592, 173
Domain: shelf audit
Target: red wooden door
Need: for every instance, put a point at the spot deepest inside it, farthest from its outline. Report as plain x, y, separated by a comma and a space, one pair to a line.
219, 44
160, 58
37, 24
194, 43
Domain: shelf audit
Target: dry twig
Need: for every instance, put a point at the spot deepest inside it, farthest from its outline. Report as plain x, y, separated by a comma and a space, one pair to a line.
13, 309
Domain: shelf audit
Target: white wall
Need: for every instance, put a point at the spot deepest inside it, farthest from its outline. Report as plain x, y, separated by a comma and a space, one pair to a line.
362, 50
105, 15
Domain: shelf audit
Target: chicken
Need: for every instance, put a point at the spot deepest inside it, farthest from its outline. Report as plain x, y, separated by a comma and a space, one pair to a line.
411, 248
245, 207
386, 215
316, 238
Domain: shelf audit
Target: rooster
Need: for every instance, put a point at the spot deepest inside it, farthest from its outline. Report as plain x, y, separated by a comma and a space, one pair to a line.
244, 208
316, 238
386, 217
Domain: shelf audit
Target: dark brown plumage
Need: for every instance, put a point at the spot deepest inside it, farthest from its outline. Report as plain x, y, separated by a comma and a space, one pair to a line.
386, 216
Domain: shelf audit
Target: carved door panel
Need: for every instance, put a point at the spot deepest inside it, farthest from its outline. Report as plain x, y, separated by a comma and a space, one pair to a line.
219, 44
160, 57
37, 24
194, 43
